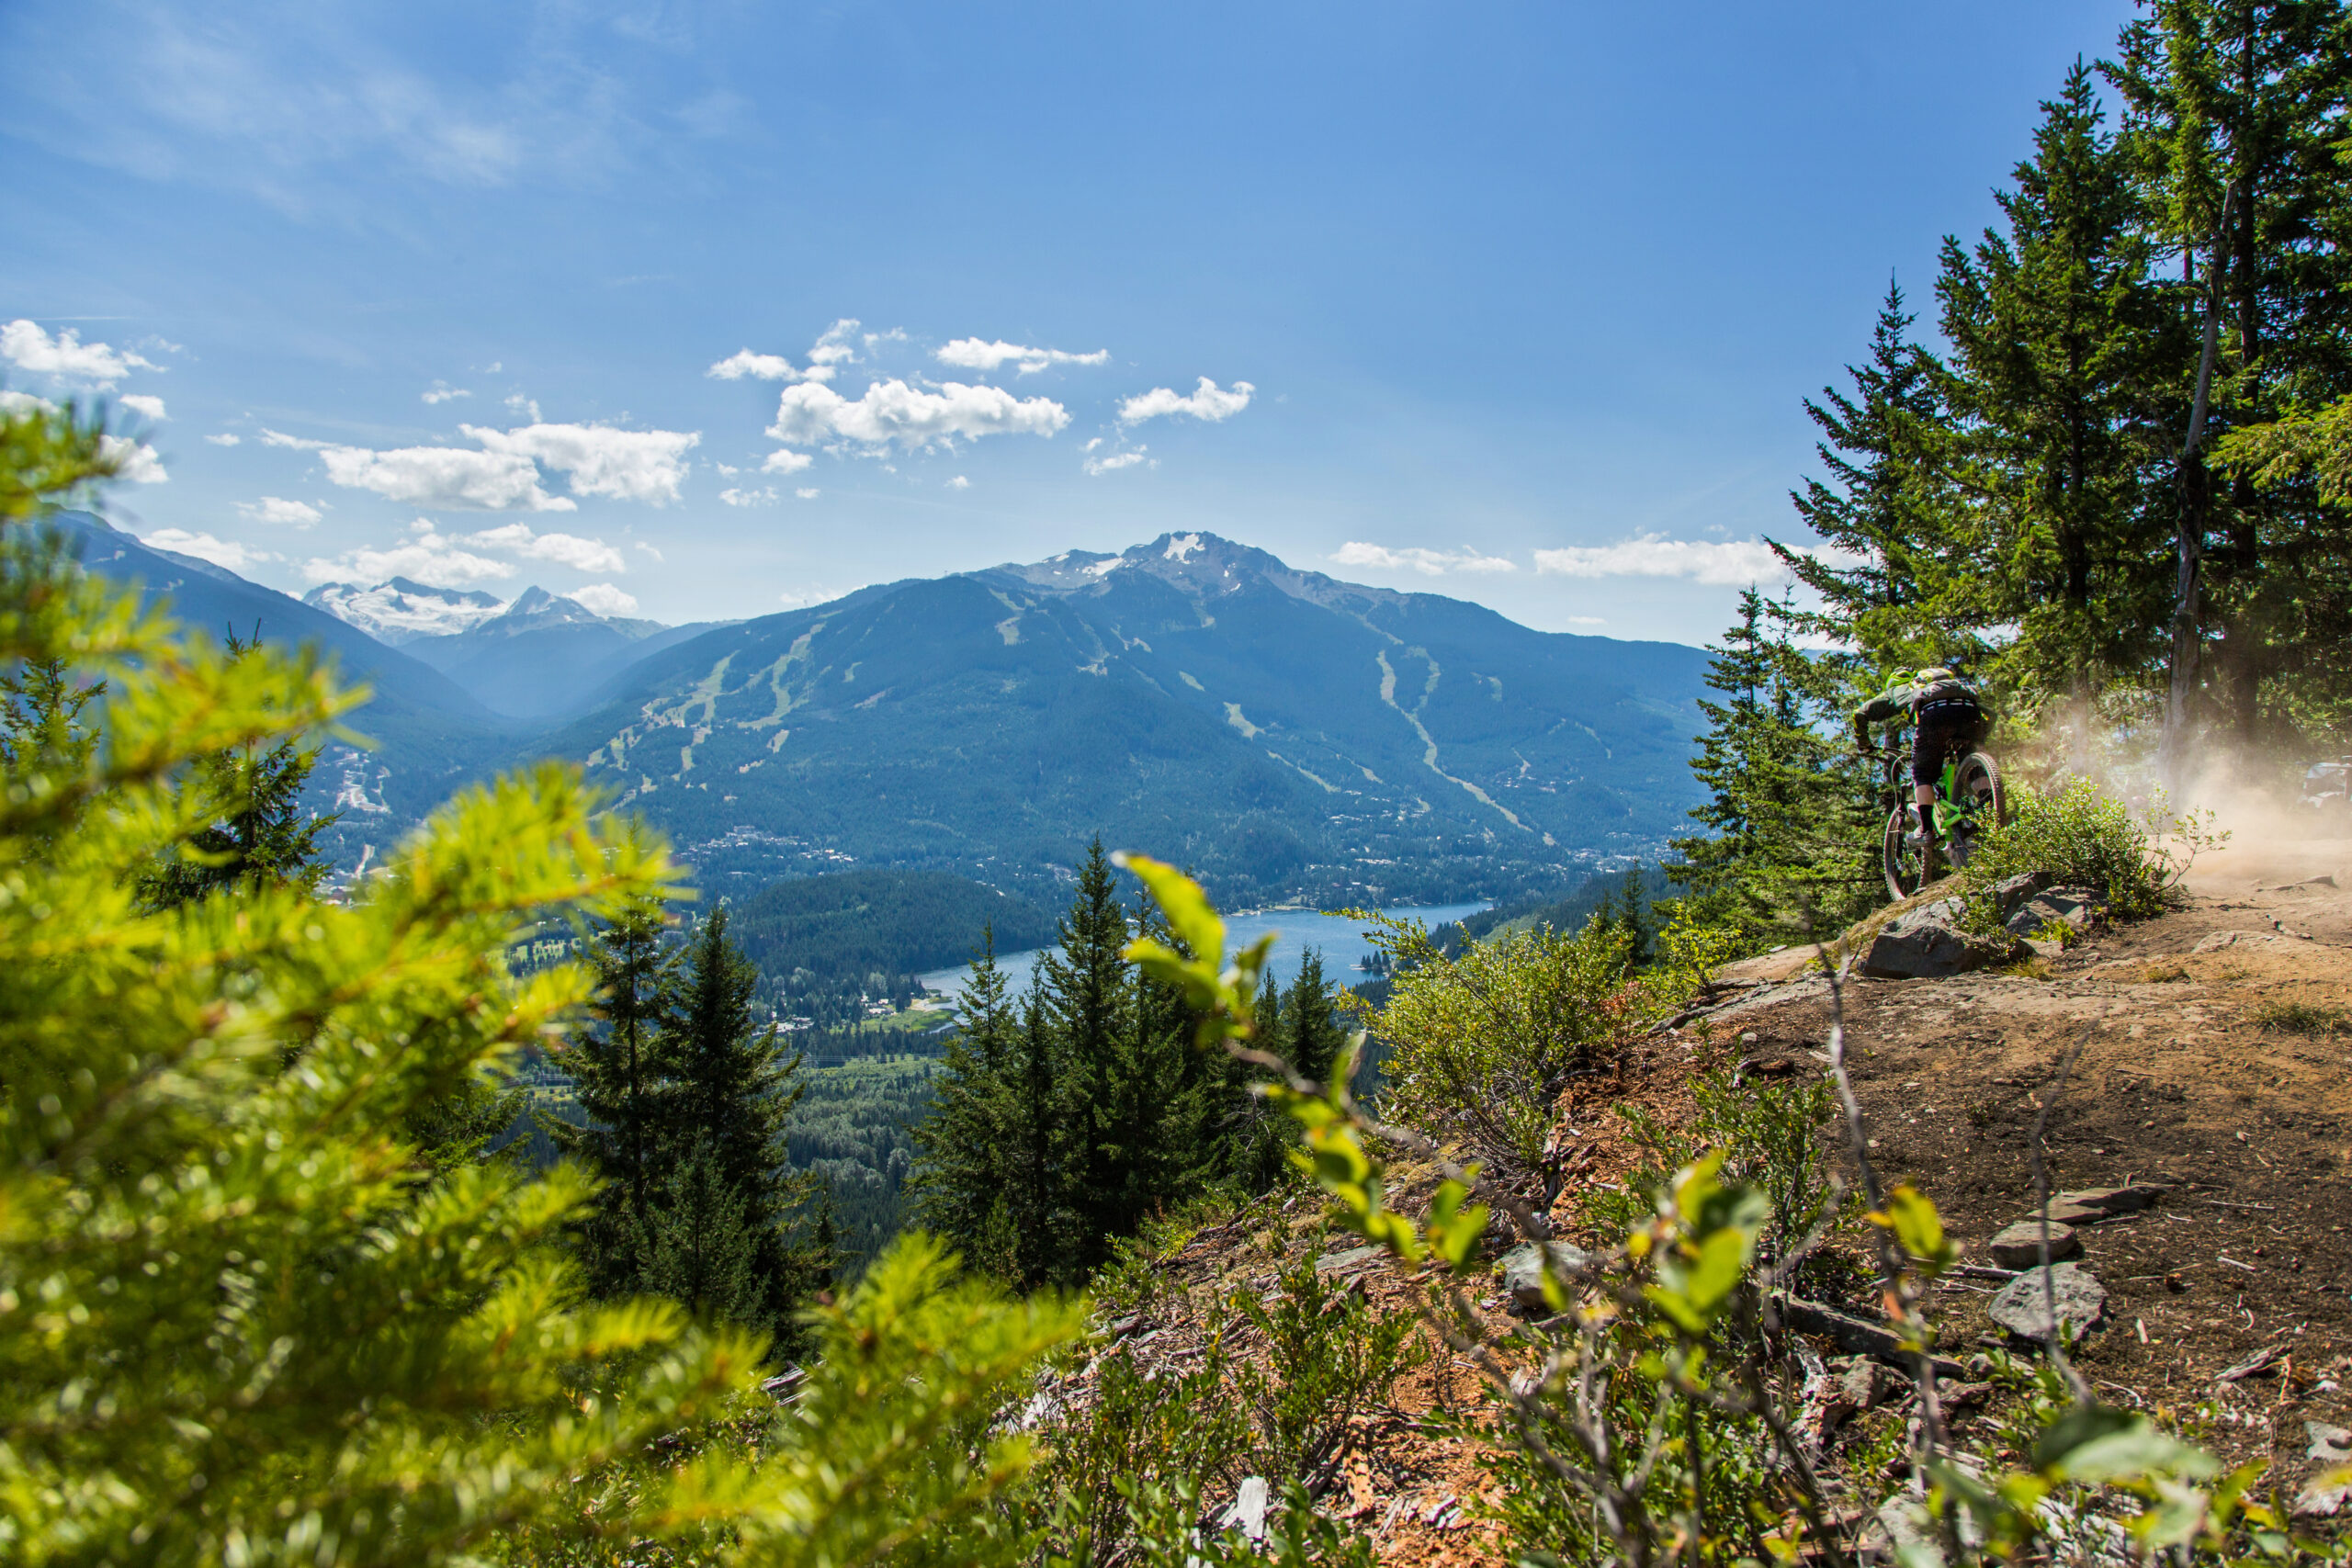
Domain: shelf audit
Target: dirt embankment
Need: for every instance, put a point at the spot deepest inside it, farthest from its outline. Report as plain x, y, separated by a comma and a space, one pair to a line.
2211, 1051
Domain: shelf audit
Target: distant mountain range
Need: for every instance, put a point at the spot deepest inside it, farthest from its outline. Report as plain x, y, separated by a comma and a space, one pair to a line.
1284, 734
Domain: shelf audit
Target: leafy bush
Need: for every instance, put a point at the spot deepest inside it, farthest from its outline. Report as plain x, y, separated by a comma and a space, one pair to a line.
1480, 1044
246, 1315
1329, 1357
2083, 837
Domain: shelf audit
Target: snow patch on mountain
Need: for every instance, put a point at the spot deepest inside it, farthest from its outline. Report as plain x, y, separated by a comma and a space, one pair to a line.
403, 610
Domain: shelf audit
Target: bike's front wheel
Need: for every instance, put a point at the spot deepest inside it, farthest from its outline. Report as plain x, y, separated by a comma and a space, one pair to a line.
1906, 862
1981, 800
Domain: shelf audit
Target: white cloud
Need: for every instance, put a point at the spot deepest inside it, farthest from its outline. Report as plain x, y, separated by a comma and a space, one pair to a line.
1205, 402
66, 356
959, 482
226, 438
143, 405
808, 494
832, 350
428, 557
275, 509
564, 549
759, 366
627, 464
204, 546
893, 412
1112, 464
736, 496
140, 463
1587, 621
442, 392
1734, 563
630, 464
448, 477
1428, 563
784, 460
971, 354
523, 405
604, 599
649, 549
13, 402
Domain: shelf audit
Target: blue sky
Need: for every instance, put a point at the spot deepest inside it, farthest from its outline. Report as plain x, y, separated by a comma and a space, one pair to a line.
1515, 302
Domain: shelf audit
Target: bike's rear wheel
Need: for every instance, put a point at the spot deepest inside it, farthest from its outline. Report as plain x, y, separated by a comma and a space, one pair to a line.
1905, 864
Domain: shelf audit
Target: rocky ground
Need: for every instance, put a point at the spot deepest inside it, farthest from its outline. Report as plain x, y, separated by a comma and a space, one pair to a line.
2202, 1059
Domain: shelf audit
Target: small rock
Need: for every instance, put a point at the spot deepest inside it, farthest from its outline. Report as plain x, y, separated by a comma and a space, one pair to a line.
2065, 1211
2023, 1305
2330, 1451
2020, 1245
1248, 1514
2116, 1199
1331, 1261
1957, 1397
1862, 1383
1523, 1271
2221, 940
1929, 943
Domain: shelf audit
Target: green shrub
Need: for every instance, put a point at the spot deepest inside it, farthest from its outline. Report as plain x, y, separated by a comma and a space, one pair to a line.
1329, 1359
2082, 837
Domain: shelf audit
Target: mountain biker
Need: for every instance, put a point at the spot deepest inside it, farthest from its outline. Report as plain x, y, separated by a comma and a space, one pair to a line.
1946, 718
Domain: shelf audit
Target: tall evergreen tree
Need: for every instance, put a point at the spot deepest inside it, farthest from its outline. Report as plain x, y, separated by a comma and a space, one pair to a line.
735, 1083
1792, 819
2058, 346
1309, 1025
620, 1080
1889, 592
2232, 123
1088, 994
970, 1143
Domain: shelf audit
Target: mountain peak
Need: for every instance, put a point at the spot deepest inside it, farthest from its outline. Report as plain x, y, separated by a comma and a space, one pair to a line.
403, 610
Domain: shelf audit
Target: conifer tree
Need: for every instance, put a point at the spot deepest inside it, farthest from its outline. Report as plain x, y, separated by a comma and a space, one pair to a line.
1088, 994
2058, 348
620, 1080
970, 1143
1892, 592
1792, 821
254, 832
1309, 1026
733, 1088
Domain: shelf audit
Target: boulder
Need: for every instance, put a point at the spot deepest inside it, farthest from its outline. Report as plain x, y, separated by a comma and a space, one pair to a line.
2014, 893
2073, 908
1928, 942
2020, 1245
2023, 1305
1522, 1272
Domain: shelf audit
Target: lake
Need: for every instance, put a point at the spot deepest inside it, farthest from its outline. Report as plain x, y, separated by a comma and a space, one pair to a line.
1340, 941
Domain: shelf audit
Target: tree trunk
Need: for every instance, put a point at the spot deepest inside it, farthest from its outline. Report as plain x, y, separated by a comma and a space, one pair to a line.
2195, 489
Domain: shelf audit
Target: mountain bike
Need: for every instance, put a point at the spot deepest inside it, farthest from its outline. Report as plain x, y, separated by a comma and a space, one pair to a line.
1969, 798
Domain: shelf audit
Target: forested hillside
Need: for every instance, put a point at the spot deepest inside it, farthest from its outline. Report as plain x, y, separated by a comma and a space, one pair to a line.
1287, 734
889, 923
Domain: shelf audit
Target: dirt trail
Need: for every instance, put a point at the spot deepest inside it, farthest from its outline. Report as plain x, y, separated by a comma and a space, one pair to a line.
2215, 1054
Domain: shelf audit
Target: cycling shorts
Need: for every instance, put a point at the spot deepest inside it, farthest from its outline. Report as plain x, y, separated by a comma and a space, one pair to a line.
1945, 726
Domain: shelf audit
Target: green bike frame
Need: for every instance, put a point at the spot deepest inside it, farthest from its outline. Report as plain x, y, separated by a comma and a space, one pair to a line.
1949, 813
